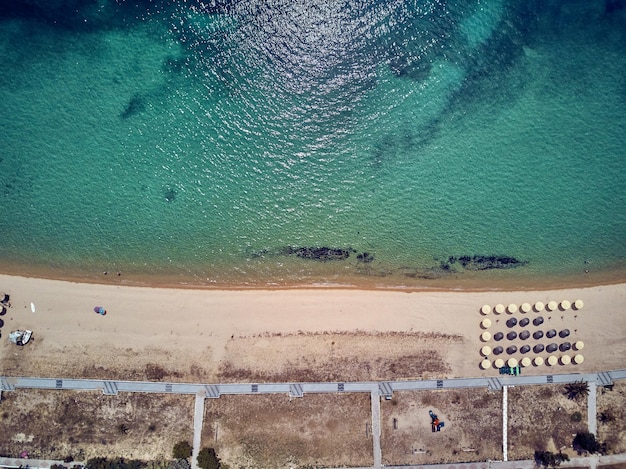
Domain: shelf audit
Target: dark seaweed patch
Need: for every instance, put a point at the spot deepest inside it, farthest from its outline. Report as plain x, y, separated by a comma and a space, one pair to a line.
479, 262
318, 253
366, 257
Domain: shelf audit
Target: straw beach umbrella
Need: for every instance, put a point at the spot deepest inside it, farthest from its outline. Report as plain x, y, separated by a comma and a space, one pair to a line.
525, 362
486, 323
512, 308
578, 359
485, 336
525, 308
486, 309
552, 360
485, 364
565, 305
552, 305
499, 363
539, 306
486, 350
578, 304
538, 361
512, 362
499, 309
566, 360
579, 345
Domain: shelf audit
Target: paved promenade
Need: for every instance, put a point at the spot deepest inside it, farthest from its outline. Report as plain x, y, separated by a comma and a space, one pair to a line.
297, 389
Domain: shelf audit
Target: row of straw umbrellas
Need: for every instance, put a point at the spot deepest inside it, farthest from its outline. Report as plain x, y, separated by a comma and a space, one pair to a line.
537, 307
485, 351
537, 361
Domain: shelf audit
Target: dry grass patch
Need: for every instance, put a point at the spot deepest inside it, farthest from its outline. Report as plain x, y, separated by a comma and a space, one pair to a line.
54, 424
267, 431
356, 356
611, 408
543, 418
105, 362
472, 431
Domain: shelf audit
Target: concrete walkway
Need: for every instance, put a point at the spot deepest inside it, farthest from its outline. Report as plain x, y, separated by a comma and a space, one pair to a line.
592, 421
505, 423
198, 419
378, 455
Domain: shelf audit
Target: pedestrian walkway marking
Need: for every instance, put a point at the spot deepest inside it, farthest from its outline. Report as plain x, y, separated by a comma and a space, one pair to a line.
295, 390
494, 384
439, 384
168, 387
550, 379
6, 385
59, 383
255, 388
384, 389
110, 388
340, 387
604, 378
212, 391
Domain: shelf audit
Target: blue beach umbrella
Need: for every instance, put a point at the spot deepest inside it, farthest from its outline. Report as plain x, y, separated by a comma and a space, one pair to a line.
100, 310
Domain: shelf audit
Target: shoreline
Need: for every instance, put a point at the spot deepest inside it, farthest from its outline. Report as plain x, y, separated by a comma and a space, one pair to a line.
479, 281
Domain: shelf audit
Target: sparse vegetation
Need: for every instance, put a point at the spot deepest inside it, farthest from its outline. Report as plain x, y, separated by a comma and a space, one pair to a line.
549, 459
116, 463
576, 417
606, 417
577, 391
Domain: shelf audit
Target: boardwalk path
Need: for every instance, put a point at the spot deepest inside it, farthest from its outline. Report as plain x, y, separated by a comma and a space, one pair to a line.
297, 389
375, 388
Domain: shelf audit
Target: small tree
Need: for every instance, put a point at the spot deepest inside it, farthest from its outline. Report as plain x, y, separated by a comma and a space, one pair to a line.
207, 459
577, 391
182, 450
585, 441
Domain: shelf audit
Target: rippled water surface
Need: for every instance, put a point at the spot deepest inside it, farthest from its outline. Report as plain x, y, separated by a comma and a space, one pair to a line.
280, 142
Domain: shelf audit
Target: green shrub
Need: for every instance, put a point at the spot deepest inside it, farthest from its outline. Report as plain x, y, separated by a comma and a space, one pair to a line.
576, 417
585, 441
207, 459
182, 450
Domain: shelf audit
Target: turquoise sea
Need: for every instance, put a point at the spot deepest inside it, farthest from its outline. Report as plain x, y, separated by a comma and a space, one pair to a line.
407, 143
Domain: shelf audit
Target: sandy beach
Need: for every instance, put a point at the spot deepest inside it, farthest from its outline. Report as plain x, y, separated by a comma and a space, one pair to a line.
264, 335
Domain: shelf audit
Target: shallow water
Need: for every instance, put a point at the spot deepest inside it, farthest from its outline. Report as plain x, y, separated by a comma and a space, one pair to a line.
169, 141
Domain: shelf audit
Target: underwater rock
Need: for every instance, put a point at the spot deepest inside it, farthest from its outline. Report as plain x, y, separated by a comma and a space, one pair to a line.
365, 257
479, 262
169, 194
135, 106
319, 253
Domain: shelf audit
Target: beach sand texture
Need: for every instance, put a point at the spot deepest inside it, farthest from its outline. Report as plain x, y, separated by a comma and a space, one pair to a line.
286, 335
